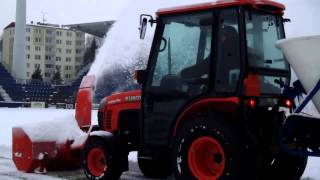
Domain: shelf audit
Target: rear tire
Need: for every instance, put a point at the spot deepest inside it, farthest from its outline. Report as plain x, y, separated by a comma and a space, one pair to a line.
160, 167
100, 161
212, 148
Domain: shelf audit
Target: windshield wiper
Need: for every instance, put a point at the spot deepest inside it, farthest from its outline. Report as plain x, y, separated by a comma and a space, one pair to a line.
169, 56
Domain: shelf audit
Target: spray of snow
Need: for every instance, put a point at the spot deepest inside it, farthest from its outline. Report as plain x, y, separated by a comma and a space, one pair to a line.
58, 130
122, 46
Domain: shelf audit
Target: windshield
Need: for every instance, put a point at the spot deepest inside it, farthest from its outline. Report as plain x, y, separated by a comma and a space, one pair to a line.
263, 30
183, 53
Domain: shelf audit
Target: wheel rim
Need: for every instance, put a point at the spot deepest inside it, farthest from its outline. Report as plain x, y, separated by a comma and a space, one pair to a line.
96, 162
206, 158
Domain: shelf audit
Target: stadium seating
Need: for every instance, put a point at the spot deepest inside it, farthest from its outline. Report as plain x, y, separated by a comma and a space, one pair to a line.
9, 84
38, 90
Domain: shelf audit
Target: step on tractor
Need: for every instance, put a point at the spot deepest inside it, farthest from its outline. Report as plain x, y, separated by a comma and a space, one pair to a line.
214, 102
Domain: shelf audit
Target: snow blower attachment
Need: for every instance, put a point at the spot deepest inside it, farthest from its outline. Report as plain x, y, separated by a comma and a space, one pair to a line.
302, 131
55, 145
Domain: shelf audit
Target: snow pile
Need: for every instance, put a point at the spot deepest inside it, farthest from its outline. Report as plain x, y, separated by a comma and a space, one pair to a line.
58, 129
15, 117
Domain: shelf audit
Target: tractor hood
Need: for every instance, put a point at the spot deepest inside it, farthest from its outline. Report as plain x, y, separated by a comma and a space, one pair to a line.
124, 97
303, 54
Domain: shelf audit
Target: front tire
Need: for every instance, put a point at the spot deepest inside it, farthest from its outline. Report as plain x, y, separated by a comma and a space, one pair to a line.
211, 148
100, 160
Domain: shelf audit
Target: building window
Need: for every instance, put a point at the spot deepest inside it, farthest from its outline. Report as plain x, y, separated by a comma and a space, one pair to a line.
28, 48
48, 49
58, 67
58, 58
36, 66
79, 43
58, 50
37, 57
78, 51
28, 30
28, 65
58, 33
68, 51
49, 31
37, 48
47, 75
28, 74
28, 56
37, 40
79, 34
28, 38
49, 66
69, 34
48, 57
67, 76
58, 41
68, 59
69, 42
48, 40
38, 31
67, 67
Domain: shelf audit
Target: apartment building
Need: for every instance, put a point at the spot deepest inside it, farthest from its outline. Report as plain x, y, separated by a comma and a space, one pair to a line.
49, 48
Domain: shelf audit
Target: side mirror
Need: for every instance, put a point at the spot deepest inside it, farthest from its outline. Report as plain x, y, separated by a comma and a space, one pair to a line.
140, 76
143, 24
143, 28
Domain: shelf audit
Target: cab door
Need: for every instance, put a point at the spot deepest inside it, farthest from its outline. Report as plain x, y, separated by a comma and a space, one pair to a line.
178, 72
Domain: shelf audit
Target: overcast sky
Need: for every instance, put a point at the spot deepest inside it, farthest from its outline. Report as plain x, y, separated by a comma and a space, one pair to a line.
304, 13
63, 11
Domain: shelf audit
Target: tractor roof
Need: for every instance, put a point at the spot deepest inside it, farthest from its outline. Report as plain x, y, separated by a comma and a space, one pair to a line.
263, 4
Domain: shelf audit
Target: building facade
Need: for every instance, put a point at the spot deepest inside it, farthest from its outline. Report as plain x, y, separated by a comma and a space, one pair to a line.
49, 48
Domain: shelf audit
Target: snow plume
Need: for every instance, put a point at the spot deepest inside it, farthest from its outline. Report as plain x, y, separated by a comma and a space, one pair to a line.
122, 47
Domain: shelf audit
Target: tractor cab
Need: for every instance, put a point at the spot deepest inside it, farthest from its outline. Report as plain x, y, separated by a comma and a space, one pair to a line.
227, 47
224, 49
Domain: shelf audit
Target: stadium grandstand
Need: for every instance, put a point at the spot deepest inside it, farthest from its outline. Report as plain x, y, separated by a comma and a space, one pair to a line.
14, 94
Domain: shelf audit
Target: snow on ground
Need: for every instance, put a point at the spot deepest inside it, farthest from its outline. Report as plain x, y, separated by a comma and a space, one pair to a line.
22, 116
50, 121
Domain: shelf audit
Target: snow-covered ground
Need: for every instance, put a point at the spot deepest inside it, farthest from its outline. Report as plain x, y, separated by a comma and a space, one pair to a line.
48, 119
20, 116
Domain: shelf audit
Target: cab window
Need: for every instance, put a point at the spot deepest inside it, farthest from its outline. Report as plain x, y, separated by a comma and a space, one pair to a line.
183, 55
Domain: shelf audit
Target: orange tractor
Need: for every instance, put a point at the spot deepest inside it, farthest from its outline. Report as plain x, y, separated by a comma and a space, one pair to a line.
212, 106
212, 99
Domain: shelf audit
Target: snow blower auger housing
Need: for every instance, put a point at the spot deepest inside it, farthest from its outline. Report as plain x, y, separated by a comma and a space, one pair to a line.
212, 99
43, 146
